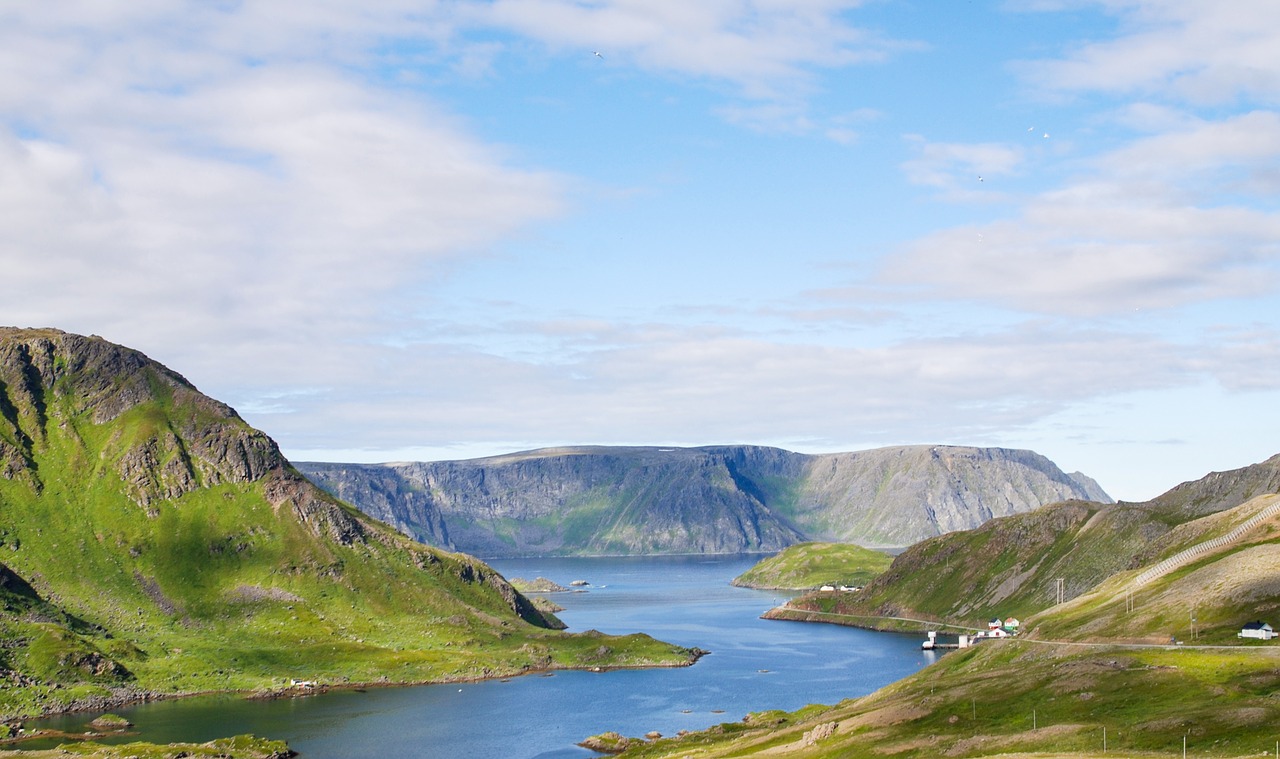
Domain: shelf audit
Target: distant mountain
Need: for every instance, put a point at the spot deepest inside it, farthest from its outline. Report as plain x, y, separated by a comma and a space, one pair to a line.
718, 499
153, 542
1018, 565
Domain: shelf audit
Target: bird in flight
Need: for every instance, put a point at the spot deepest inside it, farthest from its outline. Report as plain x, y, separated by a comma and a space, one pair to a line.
597, 54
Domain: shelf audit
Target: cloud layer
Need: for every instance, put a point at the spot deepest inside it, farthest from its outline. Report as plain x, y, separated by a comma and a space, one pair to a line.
269, 198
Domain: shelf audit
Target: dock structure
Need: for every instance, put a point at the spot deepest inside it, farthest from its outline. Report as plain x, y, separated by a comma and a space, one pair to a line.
933, 644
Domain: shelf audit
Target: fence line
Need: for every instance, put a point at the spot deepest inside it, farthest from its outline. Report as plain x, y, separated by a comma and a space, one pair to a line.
1187, 555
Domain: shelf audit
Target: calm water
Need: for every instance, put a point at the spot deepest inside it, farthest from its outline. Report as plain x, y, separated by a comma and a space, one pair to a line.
754, 665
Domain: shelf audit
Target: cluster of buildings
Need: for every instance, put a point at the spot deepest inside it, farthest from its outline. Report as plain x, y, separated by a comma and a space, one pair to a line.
1001, 628
996, 628
1006, 628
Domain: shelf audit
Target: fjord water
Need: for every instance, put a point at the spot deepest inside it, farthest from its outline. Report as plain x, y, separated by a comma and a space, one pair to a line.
754, 665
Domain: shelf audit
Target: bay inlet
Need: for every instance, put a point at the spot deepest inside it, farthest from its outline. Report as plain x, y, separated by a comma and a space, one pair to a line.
754, 665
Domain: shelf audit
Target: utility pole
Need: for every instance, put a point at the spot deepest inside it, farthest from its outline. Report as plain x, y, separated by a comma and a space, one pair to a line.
1060, 590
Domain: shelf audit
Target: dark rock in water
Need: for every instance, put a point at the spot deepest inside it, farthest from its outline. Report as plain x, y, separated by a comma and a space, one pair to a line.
608, 743
110, 722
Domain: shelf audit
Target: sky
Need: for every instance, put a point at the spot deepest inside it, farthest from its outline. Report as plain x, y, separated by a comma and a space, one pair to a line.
429, 230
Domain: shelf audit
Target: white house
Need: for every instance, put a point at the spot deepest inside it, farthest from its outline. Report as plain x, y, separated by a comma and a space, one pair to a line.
1012, 624
1259, 630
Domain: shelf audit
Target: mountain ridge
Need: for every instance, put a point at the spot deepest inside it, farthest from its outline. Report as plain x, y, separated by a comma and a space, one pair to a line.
601, 500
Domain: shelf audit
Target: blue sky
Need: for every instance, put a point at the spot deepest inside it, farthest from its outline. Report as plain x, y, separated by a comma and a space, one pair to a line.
426, 230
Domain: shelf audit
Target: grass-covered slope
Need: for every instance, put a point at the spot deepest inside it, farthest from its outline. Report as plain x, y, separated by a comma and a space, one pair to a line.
151, 541
1093, 676
1205, 600
1014, 566
811, 565
1019, 698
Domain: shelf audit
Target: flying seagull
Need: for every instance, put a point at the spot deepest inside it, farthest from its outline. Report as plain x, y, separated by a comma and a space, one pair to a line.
597, 54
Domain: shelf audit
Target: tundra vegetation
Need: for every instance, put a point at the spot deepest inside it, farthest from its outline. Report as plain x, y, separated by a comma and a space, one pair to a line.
810, 566
1095, 672
153, 544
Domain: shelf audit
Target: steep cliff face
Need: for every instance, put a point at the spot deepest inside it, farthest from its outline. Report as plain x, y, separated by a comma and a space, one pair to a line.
897, 496
720, 499
571, 501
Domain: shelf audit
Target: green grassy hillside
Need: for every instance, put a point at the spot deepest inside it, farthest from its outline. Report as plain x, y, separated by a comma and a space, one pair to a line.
1015, 566
1006, 567
812, 565
1194, 564
1204, 601
152, 542
1019, 698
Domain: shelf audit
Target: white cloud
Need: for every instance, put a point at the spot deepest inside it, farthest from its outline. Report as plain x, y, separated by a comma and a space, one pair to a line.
244, 191
764, 47
1194, 51
1145, 228
705, 386
160, 183
960, 169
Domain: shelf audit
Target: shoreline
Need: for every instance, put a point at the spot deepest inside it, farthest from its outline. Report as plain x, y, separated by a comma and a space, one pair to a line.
871, 622
120, 700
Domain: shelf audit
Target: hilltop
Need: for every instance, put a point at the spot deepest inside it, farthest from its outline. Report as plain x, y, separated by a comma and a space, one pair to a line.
716, 499
153, 543
807, 566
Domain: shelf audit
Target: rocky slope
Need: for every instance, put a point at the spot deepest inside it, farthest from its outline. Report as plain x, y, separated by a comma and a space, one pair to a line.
1015, 565
720, 499
153, 542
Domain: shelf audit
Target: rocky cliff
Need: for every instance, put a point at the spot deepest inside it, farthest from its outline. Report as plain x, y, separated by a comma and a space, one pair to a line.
719, 499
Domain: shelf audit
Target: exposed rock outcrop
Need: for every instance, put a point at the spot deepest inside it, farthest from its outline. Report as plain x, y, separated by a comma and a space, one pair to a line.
159, 458
719, 499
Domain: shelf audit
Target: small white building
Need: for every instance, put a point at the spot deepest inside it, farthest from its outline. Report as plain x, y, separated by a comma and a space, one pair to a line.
1260, 630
